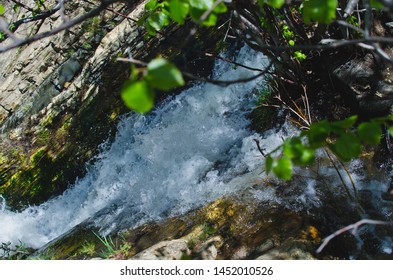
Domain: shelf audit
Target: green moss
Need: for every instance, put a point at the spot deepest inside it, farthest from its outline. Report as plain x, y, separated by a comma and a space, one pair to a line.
36, 156
264, 114
88, 248
3, 159
42, 136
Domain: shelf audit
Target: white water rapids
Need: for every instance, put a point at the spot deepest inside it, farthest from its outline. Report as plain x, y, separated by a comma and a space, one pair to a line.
179, 157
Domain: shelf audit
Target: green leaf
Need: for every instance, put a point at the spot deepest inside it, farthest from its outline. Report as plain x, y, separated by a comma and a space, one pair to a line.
323, 11
178, 11
196, 14
376, 4
345, 124
163, 75
201, 4
283, 168
211, 20
268, 164
318, 133
138, 96
2, 10
150, 29
276, 3
391, 131
299, 55
151, 5
158, 20
347, 146
220, 9
370, 133
15, 8
299, 153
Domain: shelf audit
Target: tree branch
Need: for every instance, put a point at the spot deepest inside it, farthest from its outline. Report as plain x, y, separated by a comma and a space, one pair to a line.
224, 83
66, 25
354, 227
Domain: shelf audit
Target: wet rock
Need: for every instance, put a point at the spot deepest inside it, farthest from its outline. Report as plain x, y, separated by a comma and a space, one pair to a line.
165, 250
208, 250
366, 85
388, 195
291, 250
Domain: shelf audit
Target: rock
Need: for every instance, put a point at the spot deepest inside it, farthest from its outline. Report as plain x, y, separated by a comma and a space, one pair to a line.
366, 85
165, 250
208, 249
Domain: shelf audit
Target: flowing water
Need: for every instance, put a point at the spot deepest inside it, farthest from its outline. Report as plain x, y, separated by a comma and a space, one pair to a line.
179, 157
192, 149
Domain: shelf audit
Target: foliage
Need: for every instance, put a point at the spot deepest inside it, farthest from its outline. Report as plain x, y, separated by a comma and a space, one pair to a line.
323, 11
109, 246
341, 137
19, 251
138, 94
160, 13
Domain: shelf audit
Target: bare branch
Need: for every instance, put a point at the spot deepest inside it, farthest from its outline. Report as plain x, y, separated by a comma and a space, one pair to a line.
233, 62
354, 227
224, 83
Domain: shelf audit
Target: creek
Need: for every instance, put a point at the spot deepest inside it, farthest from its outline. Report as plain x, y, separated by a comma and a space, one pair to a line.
192, 149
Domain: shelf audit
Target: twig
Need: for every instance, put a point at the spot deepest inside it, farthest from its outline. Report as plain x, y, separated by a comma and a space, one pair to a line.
207, 13
354, 227
259, 147
225, 83
234, 62
122, 15
338, 172
132, 60
23, 6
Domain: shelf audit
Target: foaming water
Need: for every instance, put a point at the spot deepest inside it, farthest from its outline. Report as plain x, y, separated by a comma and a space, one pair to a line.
181, 156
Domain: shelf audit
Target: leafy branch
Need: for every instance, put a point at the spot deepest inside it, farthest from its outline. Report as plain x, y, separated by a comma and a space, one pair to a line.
339, 137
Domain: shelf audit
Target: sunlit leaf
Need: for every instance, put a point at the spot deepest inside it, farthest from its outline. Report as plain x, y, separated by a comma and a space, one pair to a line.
163, 75
376, 4
391, 131
151, 5
323, 11
138, 96
178, 11
370, 133
201, 4
2, 10
158, 20
283, 168
221, 8
297, 151
276, 3
211, 20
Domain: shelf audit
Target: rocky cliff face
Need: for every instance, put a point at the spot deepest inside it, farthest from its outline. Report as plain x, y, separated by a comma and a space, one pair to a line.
51, 119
